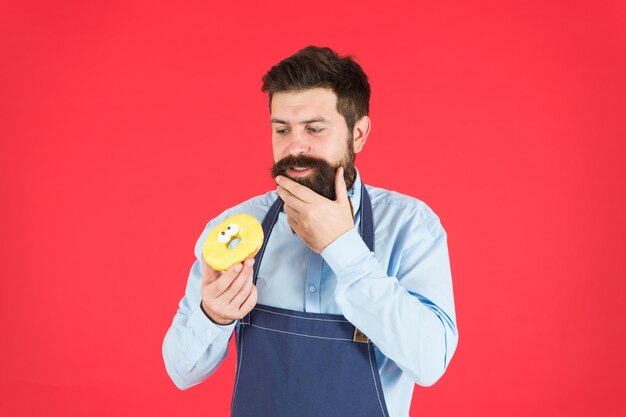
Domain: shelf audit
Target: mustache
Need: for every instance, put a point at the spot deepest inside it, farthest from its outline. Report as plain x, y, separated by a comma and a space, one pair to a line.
281, 167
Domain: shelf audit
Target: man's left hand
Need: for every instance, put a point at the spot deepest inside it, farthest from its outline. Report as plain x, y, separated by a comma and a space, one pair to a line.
317, 220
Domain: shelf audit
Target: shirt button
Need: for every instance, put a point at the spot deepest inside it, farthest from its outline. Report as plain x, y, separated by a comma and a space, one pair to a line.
209, 332
312, 288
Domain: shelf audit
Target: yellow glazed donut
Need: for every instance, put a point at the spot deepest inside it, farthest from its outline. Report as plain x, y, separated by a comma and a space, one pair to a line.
218, 251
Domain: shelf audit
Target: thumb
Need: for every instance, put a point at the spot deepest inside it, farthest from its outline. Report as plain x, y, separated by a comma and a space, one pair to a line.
341, 191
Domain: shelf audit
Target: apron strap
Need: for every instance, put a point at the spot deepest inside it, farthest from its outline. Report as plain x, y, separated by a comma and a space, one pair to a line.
268, 224
366, 227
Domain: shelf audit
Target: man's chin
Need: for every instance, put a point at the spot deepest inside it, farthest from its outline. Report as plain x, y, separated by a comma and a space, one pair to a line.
306, 180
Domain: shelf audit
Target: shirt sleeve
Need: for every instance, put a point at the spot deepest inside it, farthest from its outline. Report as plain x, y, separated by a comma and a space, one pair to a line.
410, 317
194, 346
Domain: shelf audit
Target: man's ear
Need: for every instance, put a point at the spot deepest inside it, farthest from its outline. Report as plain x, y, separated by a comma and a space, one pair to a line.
360, 132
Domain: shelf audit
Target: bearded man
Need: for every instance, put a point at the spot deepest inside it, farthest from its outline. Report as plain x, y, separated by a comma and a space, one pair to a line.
349, 303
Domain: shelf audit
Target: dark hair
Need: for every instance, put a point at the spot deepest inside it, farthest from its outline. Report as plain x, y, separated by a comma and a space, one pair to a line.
315, 66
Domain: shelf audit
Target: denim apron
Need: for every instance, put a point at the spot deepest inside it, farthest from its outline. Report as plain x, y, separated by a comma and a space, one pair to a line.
296, 364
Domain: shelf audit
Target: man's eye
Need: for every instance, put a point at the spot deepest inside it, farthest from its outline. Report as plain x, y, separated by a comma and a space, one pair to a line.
282, 131
315, 129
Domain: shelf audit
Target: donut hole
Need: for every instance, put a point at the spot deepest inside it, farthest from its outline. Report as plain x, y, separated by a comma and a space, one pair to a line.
234, 242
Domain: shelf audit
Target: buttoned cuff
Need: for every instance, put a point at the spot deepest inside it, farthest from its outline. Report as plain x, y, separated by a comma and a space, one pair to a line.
346, 252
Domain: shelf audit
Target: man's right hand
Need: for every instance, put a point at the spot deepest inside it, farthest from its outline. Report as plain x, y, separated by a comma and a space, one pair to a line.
228, 296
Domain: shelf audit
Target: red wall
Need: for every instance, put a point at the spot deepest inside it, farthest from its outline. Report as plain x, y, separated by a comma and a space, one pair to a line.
125, 127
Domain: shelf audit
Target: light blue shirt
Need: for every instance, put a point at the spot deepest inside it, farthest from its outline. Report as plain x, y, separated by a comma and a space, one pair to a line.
400, 296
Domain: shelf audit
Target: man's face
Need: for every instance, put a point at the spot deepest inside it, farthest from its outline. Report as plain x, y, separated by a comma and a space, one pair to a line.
310, 139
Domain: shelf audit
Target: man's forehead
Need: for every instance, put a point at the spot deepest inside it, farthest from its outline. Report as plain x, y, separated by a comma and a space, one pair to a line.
299, 106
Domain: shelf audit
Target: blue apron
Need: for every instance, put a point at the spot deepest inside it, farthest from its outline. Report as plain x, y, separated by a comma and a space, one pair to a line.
296, 364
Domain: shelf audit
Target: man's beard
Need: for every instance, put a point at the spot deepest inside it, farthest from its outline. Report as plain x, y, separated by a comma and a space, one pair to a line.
322, 176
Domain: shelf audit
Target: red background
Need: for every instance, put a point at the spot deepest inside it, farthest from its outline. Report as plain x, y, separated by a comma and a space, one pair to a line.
126, 126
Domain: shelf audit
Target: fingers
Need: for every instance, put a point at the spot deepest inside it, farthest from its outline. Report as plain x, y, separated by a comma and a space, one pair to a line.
250, 302
291, 200
224, 297
241, 284
291, 213
217, 287
299, 191
243, 292
292, 217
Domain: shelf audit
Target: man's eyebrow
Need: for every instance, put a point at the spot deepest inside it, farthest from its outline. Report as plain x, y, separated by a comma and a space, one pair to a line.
304, 122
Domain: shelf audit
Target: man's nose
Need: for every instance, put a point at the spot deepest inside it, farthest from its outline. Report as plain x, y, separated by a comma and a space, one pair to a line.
298, 143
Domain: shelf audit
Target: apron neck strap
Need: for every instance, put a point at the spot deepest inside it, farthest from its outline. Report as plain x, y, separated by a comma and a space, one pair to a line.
366, 227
